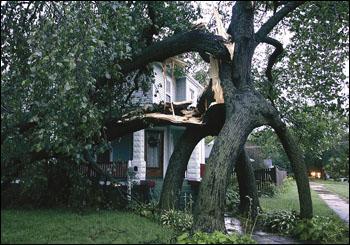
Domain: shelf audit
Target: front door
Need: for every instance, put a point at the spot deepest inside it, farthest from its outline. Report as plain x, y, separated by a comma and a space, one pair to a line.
154, 142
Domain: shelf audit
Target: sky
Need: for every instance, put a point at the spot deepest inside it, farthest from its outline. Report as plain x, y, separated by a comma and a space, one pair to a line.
208, 7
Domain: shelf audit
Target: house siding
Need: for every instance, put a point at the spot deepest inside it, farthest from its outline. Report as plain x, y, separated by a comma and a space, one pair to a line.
132, 147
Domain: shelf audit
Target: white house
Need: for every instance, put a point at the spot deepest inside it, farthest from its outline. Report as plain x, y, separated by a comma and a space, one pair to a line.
149, 150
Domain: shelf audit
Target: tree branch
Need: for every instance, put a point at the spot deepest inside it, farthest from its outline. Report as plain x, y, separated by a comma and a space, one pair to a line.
194, 40
274, 56
191, 41
272, 60
275, 19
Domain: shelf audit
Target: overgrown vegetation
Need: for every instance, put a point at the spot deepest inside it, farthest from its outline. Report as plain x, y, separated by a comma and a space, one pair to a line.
178, 220
320, 229
214, 238
279, 221
232, 195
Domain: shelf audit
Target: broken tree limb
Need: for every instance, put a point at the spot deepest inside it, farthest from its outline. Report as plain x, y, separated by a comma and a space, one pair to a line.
194, 40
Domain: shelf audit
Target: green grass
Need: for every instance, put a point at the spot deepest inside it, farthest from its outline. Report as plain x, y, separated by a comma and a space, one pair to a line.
61, 226
288, 199
340, 188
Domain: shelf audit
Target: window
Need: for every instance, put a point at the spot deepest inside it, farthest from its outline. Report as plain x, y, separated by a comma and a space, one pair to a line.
192, 94
153, 149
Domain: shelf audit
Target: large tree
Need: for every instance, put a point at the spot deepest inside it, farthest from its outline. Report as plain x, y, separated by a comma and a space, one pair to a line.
69, 70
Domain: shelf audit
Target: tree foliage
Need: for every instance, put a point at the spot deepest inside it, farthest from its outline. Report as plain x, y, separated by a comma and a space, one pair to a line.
61, 77
318, 134
55, 56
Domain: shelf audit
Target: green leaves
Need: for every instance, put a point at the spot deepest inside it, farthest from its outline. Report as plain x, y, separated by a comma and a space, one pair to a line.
214, 238
321, 229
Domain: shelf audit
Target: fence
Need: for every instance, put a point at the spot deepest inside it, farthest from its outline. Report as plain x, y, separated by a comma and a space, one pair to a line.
270, 175
116, 169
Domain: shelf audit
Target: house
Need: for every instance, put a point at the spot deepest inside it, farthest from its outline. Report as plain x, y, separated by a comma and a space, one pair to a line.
148, 151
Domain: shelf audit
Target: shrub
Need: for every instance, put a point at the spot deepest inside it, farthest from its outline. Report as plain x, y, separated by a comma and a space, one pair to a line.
214, 238
280, 221
232, 195
321, 229
148, 210
178, 220
232, 200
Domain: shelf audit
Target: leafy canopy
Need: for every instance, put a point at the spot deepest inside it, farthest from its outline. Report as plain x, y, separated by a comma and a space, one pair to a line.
54, 56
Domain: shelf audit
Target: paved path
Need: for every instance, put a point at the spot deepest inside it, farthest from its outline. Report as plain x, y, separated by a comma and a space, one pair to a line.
234, 225
338, 205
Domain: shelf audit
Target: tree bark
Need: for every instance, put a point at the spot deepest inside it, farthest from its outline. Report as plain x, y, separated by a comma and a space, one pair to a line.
169, 198
210, 205
296, 159
247, 185
249, 110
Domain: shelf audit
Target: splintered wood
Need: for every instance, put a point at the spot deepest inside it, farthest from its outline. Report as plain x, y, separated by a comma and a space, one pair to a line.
214, 63
179, 113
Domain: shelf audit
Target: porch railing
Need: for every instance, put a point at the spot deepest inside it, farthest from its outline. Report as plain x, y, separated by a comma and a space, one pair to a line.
116, 169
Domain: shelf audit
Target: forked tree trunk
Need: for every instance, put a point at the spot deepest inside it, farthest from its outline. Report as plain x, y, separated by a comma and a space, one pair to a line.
250, 110
210, 205
175, 173
249, 200
171, 188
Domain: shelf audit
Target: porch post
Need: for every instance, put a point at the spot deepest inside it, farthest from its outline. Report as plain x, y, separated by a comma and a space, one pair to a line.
139, 155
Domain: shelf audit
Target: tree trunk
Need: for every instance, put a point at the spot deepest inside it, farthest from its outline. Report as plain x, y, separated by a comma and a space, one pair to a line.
247, 185
210, 205
175, 173
298, 165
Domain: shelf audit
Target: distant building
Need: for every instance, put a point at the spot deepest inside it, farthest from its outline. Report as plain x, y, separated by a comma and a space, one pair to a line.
254, 153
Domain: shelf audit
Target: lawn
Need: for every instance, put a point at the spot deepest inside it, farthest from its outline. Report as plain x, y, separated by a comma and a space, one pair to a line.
63, 226
287, 199
340, 188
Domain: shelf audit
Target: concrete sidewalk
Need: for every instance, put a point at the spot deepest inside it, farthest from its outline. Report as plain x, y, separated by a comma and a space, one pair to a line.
337, 204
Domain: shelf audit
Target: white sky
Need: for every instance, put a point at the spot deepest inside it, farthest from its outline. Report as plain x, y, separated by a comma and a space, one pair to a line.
208, 6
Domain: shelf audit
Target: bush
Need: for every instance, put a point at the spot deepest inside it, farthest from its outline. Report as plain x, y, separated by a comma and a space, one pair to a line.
178, 220
320, 229
279, 222
214, 238
232, 200
232, 195
148, 210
